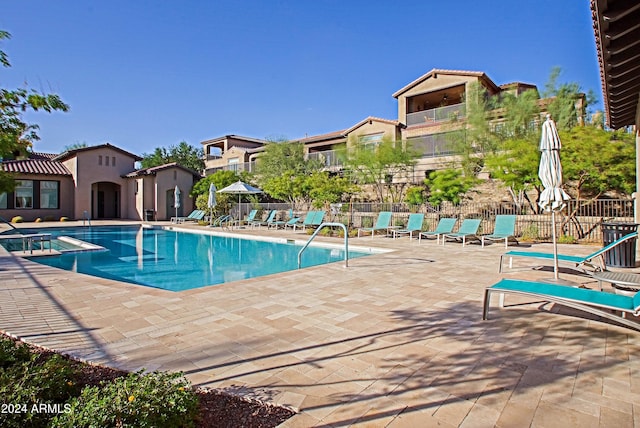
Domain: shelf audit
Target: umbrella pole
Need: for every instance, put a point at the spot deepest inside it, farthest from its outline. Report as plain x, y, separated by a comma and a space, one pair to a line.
555, 245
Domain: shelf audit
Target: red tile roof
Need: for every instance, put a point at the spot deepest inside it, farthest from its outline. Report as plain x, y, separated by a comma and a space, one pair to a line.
35, 166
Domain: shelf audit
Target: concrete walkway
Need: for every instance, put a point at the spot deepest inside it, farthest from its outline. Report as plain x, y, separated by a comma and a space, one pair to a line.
394, 340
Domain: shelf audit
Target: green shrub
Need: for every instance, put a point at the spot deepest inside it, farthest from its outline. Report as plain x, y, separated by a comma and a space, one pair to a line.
64, 218
137, 400
17, 219
567, 239
12, 353
530, 233
44, 380
38, 220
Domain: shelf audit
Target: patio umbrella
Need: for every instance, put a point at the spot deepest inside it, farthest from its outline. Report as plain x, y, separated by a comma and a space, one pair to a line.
176, 199
550, 173
240, 189
211, 202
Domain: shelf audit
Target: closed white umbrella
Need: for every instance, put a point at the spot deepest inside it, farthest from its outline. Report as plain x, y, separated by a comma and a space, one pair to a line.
176, 199
550, 173
211, 202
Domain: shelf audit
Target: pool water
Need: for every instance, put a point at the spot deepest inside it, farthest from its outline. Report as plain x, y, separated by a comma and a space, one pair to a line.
180, 261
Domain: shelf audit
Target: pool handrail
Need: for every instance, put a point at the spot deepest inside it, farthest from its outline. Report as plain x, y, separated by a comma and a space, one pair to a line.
346, 242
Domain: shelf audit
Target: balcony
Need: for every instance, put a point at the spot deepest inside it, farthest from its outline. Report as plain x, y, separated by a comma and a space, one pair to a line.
235, 167
436, 115
331, 159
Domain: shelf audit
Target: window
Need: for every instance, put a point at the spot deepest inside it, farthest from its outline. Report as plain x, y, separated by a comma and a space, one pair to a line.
100, 160
24, 194
233, 164
3, 200
106, 160
49, 194
113, 161
370, 142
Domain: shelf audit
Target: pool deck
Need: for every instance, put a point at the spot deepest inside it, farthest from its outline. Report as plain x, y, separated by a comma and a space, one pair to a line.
394, 340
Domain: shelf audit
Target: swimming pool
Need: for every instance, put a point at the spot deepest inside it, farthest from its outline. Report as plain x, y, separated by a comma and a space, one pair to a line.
178, 261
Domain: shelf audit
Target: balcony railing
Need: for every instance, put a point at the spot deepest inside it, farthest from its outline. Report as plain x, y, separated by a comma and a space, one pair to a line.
331, 159
436, 115
236, 167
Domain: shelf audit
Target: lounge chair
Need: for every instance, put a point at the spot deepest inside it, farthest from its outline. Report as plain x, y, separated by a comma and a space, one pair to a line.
468, 229
445, 225
307, 221
382, 223
195, 215
270, 219
505, 228
414, 224
283, 223
251, 217
292, 222
590, 301
318, 218
588, 260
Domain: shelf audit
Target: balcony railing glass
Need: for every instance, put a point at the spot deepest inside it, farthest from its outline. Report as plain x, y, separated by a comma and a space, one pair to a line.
436, 115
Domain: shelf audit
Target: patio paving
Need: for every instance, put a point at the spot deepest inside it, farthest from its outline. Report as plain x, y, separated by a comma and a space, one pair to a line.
394, 340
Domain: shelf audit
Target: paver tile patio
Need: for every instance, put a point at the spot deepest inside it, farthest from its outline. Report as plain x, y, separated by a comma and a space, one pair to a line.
394, 340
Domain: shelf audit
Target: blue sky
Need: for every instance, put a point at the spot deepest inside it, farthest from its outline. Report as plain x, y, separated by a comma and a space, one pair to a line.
142, 74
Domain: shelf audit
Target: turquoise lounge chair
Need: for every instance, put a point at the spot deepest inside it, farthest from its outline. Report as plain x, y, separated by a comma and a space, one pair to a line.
587, 260
414, 224
382, 223
468, 229
318, 218
270, 218
445, 225
292, 222
505, 229
282, 223
195, 215
251, 217
307, 221
590, 301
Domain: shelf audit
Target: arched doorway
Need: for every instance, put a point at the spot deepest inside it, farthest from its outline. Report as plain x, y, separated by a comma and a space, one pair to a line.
105, 200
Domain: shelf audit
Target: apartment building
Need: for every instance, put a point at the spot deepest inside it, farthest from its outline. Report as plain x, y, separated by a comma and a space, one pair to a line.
425, 109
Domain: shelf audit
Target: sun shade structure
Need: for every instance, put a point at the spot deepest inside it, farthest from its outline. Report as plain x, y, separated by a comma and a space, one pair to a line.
240, 188
550, 172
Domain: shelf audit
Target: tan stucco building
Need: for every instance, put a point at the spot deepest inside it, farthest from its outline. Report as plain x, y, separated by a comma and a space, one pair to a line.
425, 109
98, 182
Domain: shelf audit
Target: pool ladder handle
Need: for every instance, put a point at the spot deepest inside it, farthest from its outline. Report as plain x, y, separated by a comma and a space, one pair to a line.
85, 216
346, 242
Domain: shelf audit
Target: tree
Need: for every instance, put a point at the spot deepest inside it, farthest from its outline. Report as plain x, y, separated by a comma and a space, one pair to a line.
74, 146
325, 189
448, 185
563, 101
474, 138
376, 166
183, 154
17, 136
595, 161
282, 172
221, 179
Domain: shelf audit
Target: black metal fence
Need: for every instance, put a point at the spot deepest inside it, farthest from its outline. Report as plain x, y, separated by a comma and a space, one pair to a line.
580, 220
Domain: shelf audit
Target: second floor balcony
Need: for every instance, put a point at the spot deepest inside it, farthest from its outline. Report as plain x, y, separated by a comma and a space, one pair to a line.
436, 115
331, 159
